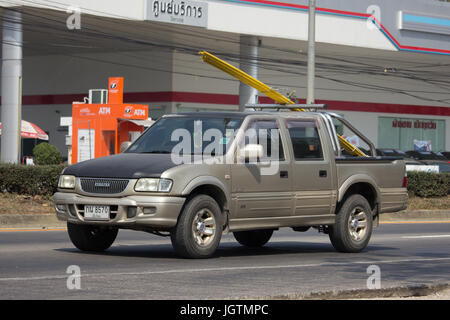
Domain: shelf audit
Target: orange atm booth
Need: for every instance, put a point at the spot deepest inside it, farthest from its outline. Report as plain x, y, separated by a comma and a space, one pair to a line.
99, 129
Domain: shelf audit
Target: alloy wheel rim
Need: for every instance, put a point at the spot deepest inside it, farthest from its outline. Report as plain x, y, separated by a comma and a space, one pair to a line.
357, 224
204, 227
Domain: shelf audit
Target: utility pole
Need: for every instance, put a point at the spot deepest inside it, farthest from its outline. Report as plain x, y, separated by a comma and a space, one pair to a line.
311, 51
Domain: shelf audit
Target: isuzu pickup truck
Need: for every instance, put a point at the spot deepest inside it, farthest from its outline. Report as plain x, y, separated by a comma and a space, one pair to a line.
196, 176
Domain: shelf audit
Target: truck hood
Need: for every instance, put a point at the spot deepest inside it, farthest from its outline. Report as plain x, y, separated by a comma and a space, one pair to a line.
123, 165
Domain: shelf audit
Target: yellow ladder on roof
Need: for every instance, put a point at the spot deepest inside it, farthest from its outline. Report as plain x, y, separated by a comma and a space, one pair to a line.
265, 89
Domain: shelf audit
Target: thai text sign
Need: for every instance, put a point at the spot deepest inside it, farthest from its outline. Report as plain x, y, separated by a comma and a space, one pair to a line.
192, 13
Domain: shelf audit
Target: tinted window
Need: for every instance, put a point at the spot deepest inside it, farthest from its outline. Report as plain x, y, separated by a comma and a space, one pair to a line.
305, 139
158, 138
267, 134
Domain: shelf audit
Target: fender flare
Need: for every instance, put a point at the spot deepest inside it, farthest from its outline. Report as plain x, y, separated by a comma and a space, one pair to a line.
358, 178
206, 180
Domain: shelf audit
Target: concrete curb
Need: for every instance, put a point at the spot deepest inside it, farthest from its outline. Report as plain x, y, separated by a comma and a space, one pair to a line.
393, 292
40, 221
416, 215
50, 220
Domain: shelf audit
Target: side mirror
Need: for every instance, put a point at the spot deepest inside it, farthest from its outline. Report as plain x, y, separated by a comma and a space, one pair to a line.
124, 146
251, 152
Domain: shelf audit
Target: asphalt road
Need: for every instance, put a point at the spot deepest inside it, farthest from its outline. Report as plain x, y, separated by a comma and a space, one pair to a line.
33, 265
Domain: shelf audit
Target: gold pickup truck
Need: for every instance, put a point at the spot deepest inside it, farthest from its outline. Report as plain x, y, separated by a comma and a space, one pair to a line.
195, 176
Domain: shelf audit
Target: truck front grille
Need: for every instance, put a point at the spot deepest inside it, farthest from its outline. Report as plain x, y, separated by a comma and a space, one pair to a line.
104, 186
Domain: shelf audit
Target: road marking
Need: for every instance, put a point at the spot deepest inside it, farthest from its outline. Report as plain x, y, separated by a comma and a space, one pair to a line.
224, 269
65, 229
31, 229
424, 237
413, 222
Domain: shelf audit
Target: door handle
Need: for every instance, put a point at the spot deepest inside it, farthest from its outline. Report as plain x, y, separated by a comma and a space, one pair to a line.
322, 173
284, 174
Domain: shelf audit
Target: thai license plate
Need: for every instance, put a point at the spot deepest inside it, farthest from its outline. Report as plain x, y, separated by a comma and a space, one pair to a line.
96, 212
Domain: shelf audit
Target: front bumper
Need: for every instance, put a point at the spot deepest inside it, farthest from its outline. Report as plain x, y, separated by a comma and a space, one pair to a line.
161, 212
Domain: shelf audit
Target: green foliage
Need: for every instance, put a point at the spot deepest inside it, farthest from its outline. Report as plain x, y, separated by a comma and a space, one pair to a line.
29, 180
46, 154
43, 180
428, 185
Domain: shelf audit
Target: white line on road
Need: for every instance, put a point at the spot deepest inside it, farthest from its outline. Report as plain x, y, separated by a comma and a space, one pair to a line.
224, 269
424, 237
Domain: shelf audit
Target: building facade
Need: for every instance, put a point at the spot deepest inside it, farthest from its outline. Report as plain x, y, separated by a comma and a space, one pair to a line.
382, 64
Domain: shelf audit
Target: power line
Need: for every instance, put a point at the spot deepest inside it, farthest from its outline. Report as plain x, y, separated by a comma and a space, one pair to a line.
271, 64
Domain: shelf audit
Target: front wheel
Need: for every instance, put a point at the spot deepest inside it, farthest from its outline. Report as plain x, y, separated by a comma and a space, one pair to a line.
353, 227
91, 238
199, 228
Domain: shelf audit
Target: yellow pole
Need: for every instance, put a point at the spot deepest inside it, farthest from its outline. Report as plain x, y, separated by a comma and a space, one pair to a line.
268, 91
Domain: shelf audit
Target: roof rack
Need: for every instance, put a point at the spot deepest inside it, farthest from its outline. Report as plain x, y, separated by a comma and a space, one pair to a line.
285, 106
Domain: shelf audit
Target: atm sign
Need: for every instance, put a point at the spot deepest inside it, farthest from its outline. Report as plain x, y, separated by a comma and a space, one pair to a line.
131, 111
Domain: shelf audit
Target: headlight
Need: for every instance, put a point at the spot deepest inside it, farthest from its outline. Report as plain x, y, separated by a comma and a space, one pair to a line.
153, 185
66, 182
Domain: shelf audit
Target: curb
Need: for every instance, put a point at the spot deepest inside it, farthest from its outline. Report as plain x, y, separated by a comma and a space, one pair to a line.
41, 221
393, 292
416, 215
50, 220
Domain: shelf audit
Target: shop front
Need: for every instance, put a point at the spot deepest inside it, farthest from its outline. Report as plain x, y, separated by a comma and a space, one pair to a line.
411, 134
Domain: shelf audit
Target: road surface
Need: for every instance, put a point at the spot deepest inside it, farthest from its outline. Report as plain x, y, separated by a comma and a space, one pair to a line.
34, 265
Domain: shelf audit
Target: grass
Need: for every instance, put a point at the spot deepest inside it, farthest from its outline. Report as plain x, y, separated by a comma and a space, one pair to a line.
20, 204
416, 203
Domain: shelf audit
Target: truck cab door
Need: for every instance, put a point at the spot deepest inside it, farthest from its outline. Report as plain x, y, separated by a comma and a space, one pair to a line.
263, 188
313, 170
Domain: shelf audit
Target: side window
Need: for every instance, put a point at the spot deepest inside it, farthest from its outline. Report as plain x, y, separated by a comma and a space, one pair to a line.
305, 139
267, 134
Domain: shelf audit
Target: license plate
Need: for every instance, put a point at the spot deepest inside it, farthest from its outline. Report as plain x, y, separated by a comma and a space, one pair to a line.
96, 212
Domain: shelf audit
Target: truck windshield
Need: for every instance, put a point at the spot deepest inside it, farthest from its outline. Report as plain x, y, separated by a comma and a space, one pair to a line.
190, 134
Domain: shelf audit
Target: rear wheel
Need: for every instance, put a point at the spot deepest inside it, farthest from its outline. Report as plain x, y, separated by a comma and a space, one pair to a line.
253, 238
353, 227
199, 228
91, 238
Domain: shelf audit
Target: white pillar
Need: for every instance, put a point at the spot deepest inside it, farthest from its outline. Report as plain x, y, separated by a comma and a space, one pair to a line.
310, 99
11, 88
248, 64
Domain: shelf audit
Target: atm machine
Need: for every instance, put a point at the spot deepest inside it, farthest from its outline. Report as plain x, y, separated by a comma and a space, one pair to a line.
100, 126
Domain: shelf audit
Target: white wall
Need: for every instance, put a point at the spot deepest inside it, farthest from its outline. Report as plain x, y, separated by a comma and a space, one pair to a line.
131, 9
291, 24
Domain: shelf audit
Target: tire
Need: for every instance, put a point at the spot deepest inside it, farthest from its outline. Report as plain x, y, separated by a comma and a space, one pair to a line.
91, 238
199, 228
253, 238
353, 227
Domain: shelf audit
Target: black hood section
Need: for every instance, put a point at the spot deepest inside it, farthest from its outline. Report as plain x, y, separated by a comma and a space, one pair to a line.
123, 165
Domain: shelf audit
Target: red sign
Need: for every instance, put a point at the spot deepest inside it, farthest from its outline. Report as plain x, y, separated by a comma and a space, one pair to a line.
417, 124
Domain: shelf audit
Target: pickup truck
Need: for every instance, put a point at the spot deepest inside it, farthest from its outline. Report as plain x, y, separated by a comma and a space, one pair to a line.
196, 176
